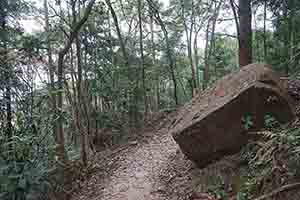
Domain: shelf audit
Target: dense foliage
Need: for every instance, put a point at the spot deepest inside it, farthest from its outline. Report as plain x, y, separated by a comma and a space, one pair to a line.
93, 72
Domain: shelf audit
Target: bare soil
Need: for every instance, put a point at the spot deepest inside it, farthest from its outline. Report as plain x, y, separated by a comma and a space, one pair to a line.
136, 172
149, 169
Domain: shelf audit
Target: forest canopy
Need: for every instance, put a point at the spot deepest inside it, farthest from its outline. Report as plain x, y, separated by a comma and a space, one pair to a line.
78, 76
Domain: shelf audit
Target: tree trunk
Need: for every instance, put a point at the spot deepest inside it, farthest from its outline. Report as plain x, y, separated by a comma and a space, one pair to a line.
60, 73
285, 37
79, 112
188, 33
291, 30
245, 31
256, 40
5, 65
116, 22
51, 67
142, 56
169, 53
265, 32
214, 23
206, 58
132, 105
157, 86
236, 20
196, 59
209, 44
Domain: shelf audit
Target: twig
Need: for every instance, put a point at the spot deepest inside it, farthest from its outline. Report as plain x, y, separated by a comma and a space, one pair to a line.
60, 17
279, 190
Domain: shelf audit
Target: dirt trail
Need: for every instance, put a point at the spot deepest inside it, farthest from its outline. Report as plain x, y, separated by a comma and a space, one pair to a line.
136, 177
152, 169
138, 172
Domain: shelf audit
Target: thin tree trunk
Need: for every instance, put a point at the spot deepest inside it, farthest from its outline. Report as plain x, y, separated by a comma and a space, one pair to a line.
79, 116
142, 56
256, 41
285, 35
132, 105
196, 58
96, 132
6, 66
210, 40
189, 45
197, 30
291, 34
112, 59
72, 96
116, 22
171, 63
236, 20
169, 53
60, 74
157, 87
51, 67
206, 58
265, 32
245, 37
212, 36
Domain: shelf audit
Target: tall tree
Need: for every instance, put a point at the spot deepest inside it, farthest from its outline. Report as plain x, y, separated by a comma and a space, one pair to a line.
245, 32
209, 42
126, 63
4, 7
84, 133
265, 31
60, 73
189, 33
51, 67
157, 85
142, 56
156, 13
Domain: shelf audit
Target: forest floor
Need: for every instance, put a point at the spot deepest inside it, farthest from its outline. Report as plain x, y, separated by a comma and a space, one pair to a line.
136, 172
151, 168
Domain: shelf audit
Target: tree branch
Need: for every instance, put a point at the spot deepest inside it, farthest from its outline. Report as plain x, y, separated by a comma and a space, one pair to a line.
77, 27
232, 3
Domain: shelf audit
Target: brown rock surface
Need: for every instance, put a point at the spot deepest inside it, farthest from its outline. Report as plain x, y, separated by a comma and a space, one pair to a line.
211, 125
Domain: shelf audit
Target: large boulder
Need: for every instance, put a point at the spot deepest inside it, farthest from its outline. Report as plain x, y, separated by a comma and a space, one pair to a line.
212, 125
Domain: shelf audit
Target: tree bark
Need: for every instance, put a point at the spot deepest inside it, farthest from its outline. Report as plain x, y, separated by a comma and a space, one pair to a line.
169, 53
51, 68
131, 72
157, 87
245, 33
265, 32
60, 73
206, 58
196, 59
188, 33
5, 65
116, 22
142, 56
292, 36
79, 110
209, 45
198, 28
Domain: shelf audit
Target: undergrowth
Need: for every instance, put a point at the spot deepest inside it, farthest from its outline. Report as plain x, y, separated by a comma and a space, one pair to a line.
273, 161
